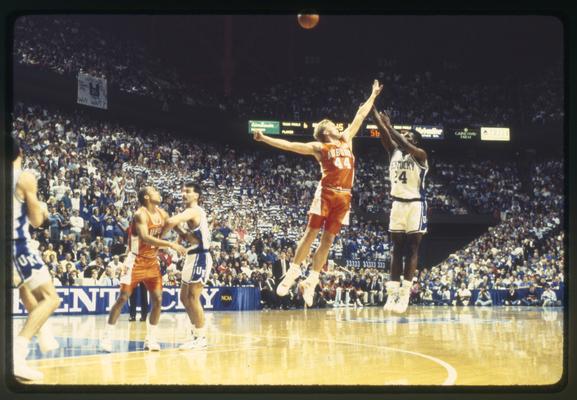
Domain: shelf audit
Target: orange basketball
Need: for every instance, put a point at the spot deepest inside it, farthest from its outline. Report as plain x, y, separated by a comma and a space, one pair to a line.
308, 21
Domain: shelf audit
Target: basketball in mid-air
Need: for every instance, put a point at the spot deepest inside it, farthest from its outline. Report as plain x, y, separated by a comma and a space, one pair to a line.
308, 21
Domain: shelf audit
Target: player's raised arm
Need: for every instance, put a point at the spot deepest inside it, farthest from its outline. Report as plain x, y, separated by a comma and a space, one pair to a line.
37, 211
419, 154
177, 219
142, 231
362, 113
308, 149
386, 139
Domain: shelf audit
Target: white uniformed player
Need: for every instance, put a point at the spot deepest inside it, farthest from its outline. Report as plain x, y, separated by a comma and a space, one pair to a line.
30, 273
408, 219
192, 224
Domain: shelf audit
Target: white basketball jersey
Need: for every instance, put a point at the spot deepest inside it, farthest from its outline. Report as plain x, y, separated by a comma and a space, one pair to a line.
202, 232
407, 176
20, 226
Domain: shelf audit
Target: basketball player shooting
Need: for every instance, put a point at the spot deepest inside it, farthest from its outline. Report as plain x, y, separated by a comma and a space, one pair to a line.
331, 203
408, 220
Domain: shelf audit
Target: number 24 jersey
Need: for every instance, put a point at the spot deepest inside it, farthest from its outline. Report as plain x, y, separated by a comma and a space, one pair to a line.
407, 176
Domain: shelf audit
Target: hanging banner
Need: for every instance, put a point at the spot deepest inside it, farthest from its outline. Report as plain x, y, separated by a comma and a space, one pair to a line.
92, 91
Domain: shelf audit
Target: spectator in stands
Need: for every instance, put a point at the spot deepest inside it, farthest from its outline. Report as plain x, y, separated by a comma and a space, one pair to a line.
92, 280
66, 277
357, 292
416, 289
375, 290
463, 296
48, 253
512, 297
108, 278
266, 285
82, 263
427, 296
445, 297
75, 278
55, 279
116, 265
76, 225
95, 266
214, 281
531, 299
95, 224
118, 247
484, 298
549, 298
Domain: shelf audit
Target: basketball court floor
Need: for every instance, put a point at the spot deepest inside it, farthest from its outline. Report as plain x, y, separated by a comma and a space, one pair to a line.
342, 346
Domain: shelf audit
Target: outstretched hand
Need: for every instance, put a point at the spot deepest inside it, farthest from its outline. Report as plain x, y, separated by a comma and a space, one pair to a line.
385, 117
257, 135
377, 87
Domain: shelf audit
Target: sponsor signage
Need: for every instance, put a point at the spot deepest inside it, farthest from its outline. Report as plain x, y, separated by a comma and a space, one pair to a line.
467, 133
429, 131
99, 300
501, 134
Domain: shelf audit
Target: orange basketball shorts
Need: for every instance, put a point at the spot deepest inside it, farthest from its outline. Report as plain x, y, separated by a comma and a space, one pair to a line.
139, 269
330, 209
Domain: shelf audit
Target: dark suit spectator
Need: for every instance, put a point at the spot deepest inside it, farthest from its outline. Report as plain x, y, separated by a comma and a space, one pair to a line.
531, 299
512, 297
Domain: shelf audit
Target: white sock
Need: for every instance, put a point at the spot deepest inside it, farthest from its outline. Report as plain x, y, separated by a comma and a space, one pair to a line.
151, 330
45, 329
109, 330
198, 332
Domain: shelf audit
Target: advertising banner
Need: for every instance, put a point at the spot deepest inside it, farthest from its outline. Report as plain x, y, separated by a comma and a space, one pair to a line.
83, 300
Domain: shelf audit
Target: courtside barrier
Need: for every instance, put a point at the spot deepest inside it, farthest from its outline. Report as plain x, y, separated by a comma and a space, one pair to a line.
84, 300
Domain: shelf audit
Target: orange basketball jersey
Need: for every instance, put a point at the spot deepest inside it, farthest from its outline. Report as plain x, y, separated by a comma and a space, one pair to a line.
155, 223
338, 165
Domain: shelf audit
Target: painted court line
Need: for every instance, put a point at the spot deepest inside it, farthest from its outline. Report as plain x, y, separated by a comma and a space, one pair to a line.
138, 354
451, 371
65, 361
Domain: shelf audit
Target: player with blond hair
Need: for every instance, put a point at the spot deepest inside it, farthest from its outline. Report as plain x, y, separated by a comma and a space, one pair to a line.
331, 204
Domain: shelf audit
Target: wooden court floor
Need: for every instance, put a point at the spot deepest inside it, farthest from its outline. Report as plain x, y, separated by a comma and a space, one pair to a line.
342, 346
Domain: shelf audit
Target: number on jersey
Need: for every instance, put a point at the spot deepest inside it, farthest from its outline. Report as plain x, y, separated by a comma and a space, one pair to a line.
345, 163
401, 177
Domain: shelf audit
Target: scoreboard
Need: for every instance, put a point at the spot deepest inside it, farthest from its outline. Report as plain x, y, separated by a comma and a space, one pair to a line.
267, 127
428, 132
